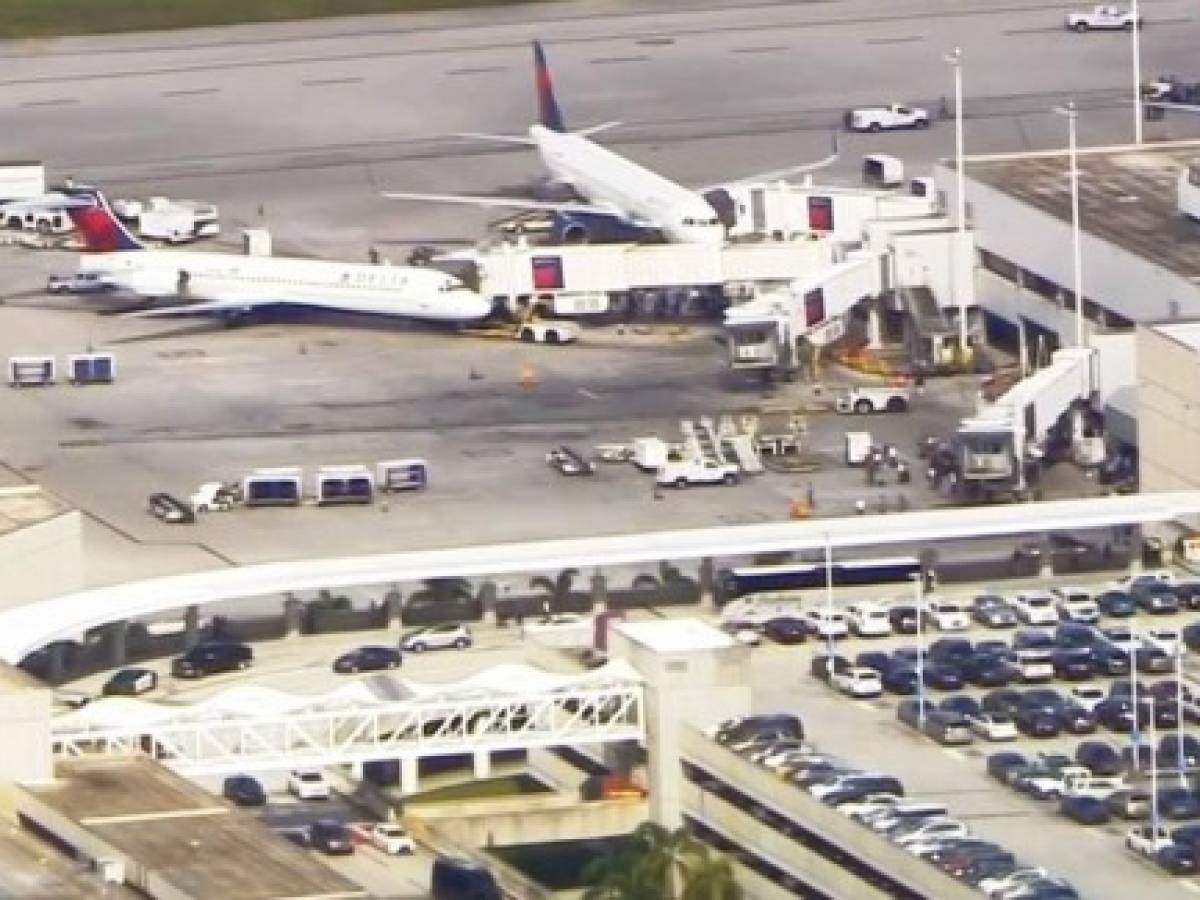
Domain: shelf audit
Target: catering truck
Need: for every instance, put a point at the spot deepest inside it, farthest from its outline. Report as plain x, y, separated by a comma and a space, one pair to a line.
173, 221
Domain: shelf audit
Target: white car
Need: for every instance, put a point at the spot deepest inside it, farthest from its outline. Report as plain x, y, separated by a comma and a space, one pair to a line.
748, 637
886, 118
1102, 18
858, 682
933, 828
947, 615
437, 637
1076, 605
689, 472
1087, 696
869, 620
308, 784
993, 727
827, 623
1127, 583
997, 887
1146, 840
869, 805
392, 839
1168, 640
1034, 608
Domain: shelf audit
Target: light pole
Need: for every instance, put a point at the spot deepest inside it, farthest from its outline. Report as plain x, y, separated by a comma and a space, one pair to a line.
1137, 72
1179, 755
1076, 256
919, 580
1153, 773
1134, 732
831, 644
954, 58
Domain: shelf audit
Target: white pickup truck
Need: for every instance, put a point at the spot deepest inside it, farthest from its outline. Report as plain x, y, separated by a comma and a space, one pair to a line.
686, 473
863, 400
886, 118
1102, 18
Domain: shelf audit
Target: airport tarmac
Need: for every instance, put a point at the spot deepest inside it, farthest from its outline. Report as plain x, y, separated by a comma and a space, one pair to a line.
299, 126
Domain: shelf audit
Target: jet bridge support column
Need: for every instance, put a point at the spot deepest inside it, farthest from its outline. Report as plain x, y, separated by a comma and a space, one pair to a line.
599, 592
293, 617
393, 602
410, 775
118, 639
482, 761
191, 627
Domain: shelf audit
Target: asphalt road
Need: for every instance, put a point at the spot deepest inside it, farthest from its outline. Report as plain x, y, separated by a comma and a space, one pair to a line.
308, 121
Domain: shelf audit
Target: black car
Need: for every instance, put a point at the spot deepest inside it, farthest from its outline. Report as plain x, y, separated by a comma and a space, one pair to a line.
461, 879
569, 462
1191, 636
858, 788
242, 790
1110, 659
1034, 721
1076, 719
1000, 764
786, 630
992, 611
367, 659
951, 650
1033, 639
1117, 604
1156, 598
770, 726
211, 658
1129, 804
1177, 859
1187, 836
330, 837
1115, 714
962, 704
943, 676
1188, 593
170, 509
1084, 810
903, 619
1074, 665
988, 670
983, 868
1100, 757
1072, 635
873, 659
1002, 701
1172, 756
130, 683
901, 679
1152, 660
1178, 803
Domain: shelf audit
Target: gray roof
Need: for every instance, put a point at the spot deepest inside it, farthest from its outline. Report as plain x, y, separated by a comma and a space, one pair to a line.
1127, 196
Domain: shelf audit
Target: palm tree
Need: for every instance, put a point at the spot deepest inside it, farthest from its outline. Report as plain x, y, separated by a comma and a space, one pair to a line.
558, 589
707, 877
656, 864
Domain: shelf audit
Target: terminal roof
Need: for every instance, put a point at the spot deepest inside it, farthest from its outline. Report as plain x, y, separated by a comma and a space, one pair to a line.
676, 635
1127, 195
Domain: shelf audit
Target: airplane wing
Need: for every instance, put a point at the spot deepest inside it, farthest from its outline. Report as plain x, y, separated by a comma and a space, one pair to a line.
231, 303
498, 138
1181, 107
778, 174
506, 203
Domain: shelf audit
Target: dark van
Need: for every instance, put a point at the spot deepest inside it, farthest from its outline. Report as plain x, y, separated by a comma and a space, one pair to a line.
209, 658
461, 879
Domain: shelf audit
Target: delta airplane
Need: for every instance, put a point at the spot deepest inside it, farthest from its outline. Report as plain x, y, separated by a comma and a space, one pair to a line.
232, 286
621, 200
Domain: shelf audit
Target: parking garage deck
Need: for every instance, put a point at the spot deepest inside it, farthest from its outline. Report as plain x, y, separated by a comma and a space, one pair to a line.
175, 839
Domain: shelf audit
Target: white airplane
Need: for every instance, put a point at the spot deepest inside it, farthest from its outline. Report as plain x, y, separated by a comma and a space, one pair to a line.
233, 286
620, 197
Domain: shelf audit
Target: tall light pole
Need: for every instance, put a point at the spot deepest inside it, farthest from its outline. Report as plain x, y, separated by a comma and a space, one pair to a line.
919, 580
1180, 756
1135, 736
1153, 772
1137, 72
1076, 254
955, 59
831, 644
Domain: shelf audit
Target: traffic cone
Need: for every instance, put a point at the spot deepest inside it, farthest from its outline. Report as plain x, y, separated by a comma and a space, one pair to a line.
528, 377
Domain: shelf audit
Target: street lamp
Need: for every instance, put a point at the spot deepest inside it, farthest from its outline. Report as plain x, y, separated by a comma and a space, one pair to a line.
1134, 731
1153, 772
919, 584
1072, 114
831, 644
1179, 755
954, 58
1136, 34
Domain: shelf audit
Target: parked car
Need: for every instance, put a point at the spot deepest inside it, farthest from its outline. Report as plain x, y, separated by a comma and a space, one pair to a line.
1178, 803
1084, 810
1156, 598
1168, 640
1110, 659
869, 620
211, 658
786, 630
1076, 719
1034, 608
367, 659
1075, 604
1191, 636
1178, 860
1152, 660
988, 670
1117, 604
993, 726
130, 683
943, 676
392, 839
1000, 764
903, 619
827, 623
1177, 751
946, 615
1005, 701
331, 837
952, 650
857, 682
1088, 696
1130, 804
1075, 636
878, 660
1100, 757
243, 790
1115, 714
1074, 665
1034, 721
437, 637
901, 679
308, 784
823, 666
461, 879
991, 611
1033, 639
998, 886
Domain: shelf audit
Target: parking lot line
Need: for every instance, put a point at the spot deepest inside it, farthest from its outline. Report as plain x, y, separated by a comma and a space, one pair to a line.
956, 754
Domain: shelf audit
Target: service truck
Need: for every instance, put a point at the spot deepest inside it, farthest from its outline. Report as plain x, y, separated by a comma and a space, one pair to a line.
1102, 18
21, 181
173, 221
865, 399
886, 118
696, 471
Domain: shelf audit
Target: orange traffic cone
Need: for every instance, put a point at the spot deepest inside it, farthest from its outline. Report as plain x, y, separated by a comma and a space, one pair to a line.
528, 377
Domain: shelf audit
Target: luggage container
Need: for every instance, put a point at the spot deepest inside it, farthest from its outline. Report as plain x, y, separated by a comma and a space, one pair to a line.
393, 475
273, 487
91, 368
343, 485
30, 371
881, 170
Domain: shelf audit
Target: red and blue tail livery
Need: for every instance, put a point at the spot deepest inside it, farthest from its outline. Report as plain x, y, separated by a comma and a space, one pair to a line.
548, 112
101, 230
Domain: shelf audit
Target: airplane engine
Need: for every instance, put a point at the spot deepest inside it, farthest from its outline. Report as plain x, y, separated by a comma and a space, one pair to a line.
590, 228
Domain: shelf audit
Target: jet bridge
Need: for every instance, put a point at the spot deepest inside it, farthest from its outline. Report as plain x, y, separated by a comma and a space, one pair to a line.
1001, 447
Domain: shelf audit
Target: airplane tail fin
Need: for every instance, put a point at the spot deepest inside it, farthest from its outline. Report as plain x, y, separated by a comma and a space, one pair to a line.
101, 230
548, 112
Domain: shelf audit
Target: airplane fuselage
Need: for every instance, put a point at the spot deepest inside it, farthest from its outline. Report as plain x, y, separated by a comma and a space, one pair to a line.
640, 195
406, 291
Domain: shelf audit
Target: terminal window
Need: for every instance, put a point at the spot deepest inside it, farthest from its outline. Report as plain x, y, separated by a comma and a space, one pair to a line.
547, 273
